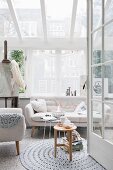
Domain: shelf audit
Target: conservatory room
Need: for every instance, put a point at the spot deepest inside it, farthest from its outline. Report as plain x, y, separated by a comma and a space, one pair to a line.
56, 84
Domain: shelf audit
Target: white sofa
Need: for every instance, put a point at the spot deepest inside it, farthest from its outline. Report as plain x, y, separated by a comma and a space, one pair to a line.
68, 105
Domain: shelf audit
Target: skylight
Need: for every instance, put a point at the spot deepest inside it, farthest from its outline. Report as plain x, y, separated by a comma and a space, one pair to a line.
27, 4
7, 28
29, 17
43, 20
58, 16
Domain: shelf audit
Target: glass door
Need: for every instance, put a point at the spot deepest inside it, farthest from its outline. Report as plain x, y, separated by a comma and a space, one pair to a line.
100, 79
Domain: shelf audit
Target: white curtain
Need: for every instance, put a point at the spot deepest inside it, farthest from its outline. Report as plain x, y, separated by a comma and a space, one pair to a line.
52, 73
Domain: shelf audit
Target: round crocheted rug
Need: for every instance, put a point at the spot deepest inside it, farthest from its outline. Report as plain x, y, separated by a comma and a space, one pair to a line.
40, 156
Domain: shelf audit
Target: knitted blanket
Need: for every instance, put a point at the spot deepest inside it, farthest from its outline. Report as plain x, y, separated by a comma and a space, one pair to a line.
8, 120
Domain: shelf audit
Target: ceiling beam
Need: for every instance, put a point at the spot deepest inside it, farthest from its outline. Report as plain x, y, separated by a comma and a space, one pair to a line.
42, 3
14, 17
73, 18
53, 43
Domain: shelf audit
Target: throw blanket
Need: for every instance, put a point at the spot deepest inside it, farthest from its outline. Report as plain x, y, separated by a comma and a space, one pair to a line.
8, 120
17, 74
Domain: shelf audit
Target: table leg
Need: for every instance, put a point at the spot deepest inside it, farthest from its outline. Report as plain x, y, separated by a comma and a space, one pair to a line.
70, 145
6, 102
50, 130
59, 135
44, 130
55, 142
64, 134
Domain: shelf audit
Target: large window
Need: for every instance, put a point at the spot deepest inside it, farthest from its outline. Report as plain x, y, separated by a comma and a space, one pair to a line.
51, 72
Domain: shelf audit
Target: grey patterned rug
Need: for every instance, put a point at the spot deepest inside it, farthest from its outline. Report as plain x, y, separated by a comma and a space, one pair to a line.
40, 156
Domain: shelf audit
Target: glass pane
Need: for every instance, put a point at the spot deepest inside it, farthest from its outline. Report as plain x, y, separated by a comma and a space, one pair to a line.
97, 82
108, 10
108, 82
97, 13
7, 28
97, 47
58, 15
108, 42
108, 55
81, 20
53, 72
42, 72
29, 17
97, 117
108, 122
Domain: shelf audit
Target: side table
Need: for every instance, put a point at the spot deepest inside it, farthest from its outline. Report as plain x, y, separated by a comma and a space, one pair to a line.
69, 133
14, 101
48, 118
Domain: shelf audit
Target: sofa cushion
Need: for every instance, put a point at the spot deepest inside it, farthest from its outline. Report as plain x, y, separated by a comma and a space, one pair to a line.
81, 108
72, 116
51, 108
39, 106
82, 118
39, 116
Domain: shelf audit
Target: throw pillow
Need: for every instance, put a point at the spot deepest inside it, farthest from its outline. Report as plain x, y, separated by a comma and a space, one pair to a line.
39, 106
81, 108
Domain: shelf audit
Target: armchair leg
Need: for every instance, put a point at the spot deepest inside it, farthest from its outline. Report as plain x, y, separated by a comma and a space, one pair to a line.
17, 147
32, 131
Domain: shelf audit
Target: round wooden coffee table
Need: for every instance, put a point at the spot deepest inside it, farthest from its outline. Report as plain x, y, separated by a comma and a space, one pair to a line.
69, 133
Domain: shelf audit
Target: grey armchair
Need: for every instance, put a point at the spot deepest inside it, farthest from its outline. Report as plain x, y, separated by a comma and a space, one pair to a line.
14, 133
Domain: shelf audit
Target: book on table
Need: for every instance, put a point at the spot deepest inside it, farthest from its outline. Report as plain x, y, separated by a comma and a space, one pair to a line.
76, 145
48, 118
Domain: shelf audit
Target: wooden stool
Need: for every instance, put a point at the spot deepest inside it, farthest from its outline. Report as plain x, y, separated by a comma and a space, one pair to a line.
69, 133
